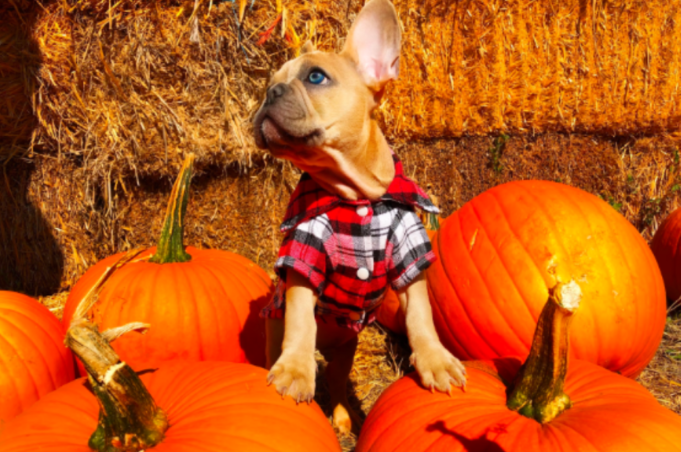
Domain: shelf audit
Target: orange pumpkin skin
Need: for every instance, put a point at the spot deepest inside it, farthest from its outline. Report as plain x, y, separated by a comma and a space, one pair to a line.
666, 246
610, 413
390, 315
211, 407
219, 292
500, 252
33, 358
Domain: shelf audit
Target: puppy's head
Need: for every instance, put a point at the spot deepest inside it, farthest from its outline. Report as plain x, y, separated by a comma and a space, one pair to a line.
318, 106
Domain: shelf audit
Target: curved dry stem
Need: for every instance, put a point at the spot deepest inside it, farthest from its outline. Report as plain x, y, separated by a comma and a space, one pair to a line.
538, 390
129, 420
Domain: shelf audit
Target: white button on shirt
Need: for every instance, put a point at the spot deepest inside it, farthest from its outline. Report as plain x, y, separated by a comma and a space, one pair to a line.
363, 273
362, 211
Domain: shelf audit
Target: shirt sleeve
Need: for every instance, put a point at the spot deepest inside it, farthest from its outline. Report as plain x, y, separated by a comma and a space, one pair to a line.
409, 248
303, 251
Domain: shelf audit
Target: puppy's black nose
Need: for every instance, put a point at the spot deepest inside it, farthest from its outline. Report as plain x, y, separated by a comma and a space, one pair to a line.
275, 92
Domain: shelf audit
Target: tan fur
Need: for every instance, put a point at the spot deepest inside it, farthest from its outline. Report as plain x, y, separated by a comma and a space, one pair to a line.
328, 131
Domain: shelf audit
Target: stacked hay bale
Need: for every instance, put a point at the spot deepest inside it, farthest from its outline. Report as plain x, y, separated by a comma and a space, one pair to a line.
19, 60
117, 92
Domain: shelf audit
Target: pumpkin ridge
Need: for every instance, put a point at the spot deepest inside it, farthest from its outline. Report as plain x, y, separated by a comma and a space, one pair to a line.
182, 311
29, 338
478, 272
412, 397
473, 420
12, 382
651, 276
642, 351
212, 304
603, 263
22, 337
193, 304
184, 402
549, 221
555, 437
220, 280
103, 308
436, 306
466, 312
658, 288
567, 254
233, 280
522, 245
513, 282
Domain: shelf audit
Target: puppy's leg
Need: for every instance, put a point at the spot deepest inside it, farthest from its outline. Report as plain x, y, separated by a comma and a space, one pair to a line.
340, 359
293, 373
436, 366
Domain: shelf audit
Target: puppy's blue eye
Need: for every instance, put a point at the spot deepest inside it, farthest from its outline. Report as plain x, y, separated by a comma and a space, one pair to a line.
316, 77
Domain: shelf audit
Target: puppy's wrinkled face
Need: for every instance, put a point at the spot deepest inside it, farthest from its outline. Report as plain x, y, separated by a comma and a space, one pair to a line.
314, 102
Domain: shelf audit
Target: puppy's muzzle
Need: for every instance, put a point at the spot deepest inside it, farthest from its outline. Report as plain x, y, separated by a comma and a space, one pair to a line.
284, 121
275, 92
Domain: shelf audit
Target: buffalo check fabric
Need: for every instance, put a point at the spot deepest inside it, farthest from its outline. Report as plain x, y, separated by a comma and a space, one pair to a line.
351, 250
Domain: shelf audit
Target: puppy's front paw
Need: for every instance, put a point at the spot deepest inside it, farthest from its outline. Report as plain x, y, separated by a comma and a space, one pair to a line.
294, 376
438, 368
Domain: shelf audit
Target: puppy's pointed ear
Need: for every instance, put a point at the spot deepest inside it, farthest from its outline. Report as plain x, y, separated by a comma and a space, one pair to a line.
307, 48
374, 44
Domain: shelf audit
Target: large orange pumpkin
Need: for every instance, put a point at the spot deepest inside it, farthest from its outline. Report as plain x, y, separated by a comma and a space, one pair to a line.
33, 358
602, 412
499, 254
205, 406
205, 304
666, 246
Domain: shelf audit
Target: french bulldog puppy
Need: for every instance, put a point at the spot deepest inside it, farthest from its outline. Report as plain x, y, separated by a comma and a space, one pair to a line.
350, 226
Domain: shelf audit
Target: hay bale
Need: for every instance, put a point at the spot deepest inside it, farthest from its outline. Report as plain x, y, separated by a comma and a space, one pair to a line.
19, 60
521, 66
125, 88
479, 68
59, 223
131, 89
128, 87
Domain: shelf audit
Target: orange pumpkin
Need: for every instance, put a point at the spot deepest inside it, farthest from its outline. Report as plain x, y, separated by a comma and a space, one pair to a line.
390, 315
666, 246
591, 410
499, 254
33, 358
211, 406
205, 303
206, 406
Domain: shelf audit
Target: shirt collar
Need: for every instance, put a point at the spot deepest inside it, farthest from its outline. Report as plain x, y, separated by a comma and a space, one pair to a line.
310, 200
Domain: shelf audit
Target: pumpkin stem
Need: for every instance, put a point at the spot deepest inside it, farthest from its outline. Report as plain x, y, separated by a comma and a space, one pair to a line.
129, 420
538, 388
432, 222
170, 248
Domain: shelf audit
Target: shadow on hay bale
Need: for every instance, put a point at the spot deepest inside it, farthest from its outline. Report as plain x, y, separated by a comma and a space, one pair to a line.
19, 65
31, 260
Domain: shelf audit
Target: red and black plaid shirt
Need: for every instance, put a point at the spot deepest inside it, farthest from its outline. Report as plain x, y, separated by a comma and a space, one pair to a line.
351, 250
